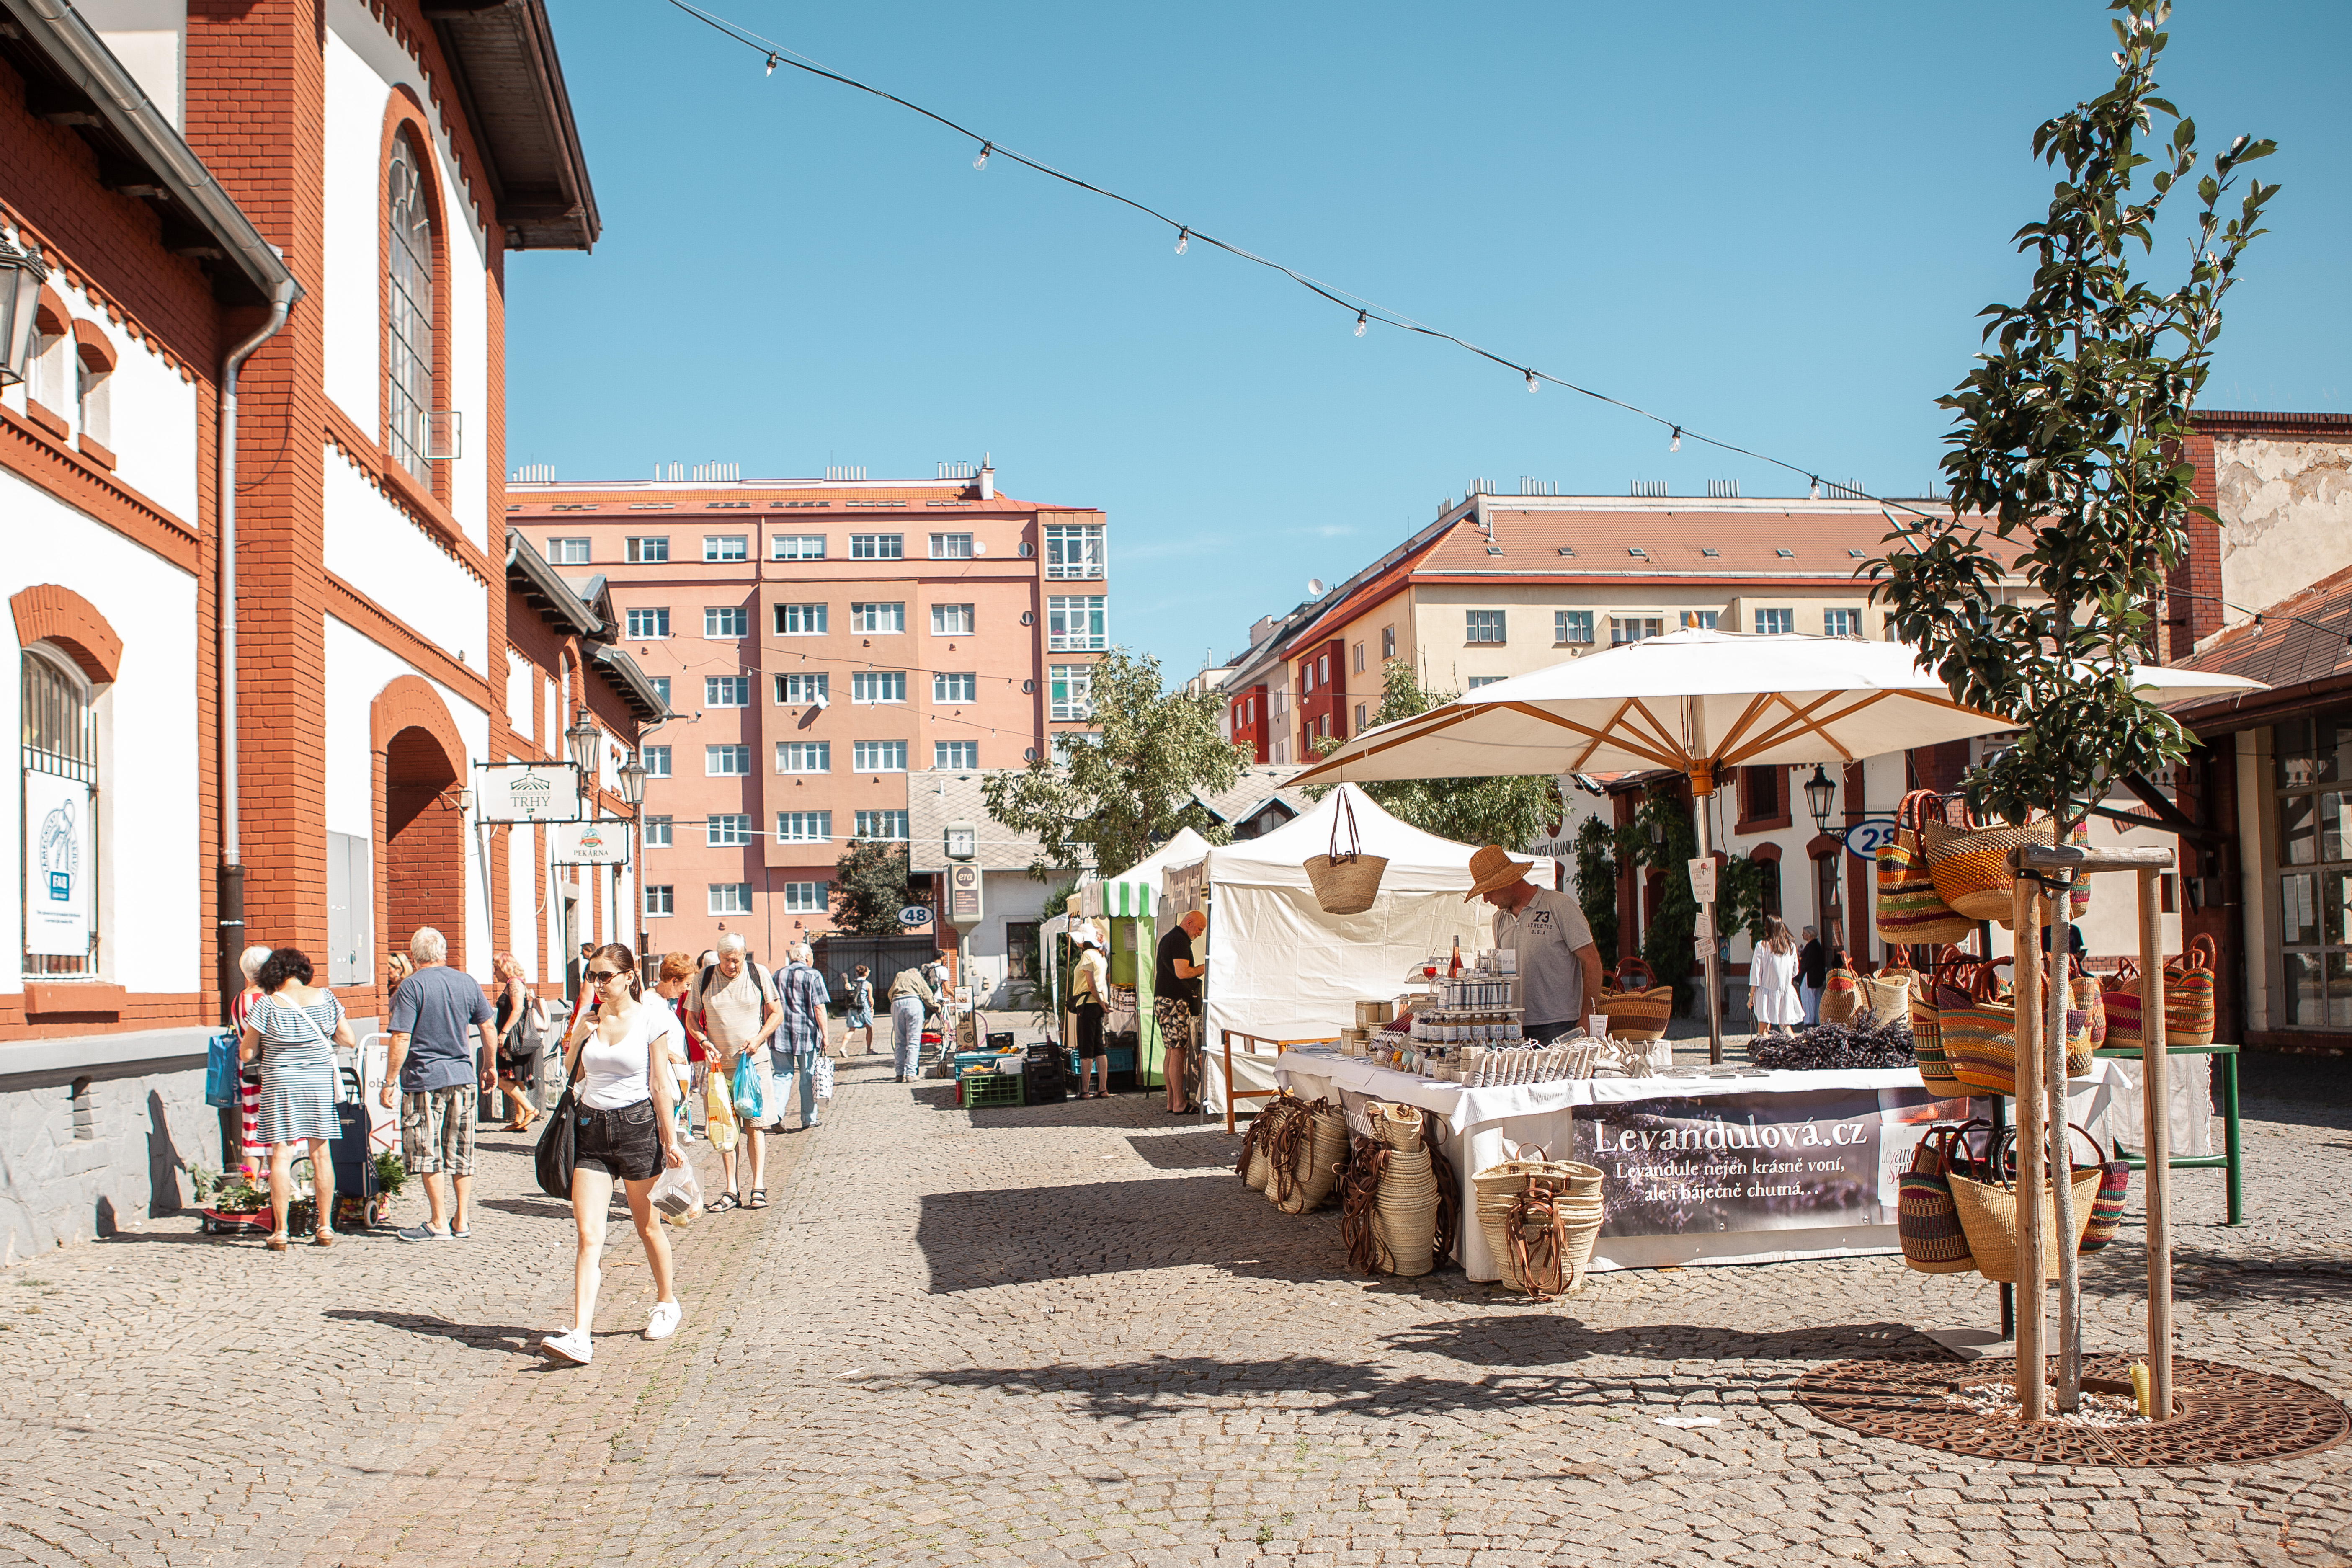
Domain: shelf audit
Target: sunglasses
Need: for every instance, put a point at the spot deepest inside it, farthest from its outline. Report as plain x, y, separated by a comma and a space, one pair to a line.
604, 976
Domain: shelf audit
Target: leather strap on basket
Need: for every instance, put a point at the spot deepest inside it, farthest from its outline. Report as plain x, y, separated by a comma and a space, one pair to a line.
1543, 1262
1359, 1197
1635, 973
1290, 1120
1345, 815
2200, 954
1449, 1190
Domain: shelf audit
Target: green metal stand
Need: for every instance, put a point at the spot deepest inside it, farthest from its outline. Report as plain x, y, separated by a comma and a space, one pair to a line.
2232, 1156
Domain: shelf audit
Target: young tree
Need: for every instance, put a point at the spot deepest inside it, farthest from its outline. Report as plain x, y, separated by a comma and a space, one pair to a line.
1128, 786
1510, 811
2068, 441
869, 887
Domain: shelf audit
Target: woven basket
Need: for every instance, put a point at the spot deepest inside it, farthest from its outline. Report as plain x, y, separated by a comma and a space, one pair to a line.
2119, 999
1884, 996
2093, 1002
1396, 1124
1927, 1221
1570, 1189
1988, 1211
1404, 1217
1927, 1029
1970, 865
2189, 996
1636, 1014
1318, 1151
1979, 1038
1841, 996
1345, 880
1908, 908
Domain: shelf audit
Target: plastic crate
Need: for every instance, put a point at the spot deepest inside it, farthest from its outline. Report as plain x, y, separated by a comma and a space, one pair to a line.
986, 1088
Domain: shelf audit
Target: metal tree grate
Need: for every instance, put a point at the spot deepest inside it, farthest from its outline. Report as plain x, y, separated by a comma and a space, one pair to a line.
2227, 1414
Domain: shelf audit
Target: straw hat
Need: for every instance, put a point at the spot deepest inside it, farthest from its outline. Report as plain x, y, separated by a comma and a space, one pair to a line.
1491, 869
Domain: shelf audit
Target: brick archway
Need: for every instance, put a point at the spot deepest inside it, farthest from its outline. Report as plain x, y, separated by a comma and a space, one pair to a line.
59, 614
420, 833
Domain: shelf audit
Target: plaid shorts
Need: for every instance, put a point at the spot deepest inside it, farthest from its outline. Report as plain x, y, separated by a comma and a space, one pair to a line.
436, 1130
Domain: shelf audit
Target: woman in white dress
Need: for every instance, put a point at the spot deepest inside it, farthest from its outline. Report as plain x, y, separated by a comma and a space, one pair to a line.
1773, 999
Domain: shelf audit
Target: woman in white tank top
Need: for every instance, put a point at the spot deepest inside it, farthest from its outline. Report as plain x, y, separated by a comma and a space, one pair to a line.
626, 1131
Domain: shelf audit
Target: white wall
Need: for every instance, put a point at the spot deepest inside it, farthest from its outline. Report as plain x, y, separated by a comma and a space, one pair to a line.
376, 547
153, 413
2286, 510
363, 64
149, 37
150, 888
357, 670
525, 892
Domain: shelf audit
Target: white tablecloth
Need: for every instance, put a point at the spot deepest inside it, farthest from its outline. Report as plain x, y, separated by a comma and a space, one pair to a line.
1487, 1126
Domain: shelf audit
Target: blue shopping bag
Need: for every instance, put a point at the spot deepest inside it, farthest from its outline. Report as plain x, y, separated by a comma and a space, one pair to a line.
222, 1089
750, 1104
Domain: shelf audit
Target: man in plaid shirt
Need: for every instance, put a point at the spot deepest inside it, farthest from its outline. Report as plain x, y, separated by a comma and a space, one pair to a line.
799, 1039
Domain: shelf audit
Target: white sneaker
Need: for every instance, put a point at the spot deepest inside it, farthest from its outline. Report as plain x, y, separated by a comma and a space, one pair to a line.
664, 1320
571, 1345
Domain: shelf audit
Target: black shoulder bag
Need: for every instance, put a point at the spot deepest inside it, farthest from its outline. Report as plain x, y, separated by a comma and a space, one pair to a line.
559, 1141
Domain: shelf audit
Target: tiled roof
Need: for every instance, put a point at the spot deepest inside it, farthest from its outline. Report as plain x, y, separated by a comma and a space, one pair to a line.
2282, 651
936, 796
1747, 538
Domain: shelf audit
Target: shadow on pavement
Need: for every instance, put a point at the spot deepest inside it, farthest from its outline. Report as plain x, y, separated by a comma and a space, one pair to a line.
1203, 1149
501, 1337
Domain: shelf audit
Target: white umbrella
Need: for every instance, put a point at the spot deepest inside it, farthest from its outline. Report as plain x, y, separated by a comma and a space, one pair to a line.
1697, 703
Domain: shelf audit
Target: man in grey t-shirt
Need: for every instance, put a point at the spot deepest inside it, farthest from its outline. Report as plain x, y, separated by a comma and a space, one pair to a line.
435, 1014
1559, 965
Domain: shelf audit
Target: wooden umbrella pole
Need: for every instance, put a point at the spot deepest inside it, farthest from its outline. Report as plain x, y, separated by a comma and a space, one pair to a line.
1702, 784
2062, 1164
2031, 1298
2156, 1102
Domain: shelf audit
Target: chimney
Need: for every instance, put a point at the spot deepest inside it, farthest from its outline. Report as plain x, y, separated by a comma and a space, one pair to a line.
987, 478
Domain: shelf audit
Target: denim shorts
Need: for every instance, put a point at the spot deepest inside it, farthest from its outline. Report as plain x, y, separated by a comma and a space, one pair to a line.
625, 1144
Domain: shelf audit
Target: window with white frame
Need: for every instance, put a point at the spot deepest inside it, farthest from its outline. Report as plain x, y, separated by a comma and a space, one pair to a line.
657, 830
1071, 687
1482, 626
948, 686
59, 778
727, 829
1634, 629
1840, 623
661, 690
45, 377
1361, 719
1775, 623
93, 393
951, 547
1357, 666
409, 330
661, 898
567, 551
804, 826
1388, 642
805, 897
1073, 550
796, 547
886, 825
647, 548
1572, 626
877, 618
1699, 620
805, 756
878, 756
644, 624
726, 547
731, 897
809, 685
1075, 624
726, 691
726, 621
799, 620
955, 753
656, 761
951, 620
726, 762
1471, 683
877, 546
877, 686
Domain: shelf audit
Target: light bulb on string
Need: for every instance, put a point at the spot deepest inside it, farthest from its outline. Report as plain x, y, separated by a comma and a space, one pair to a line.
1533, 384
1363, 318
1677, 444
1817, 487
1183, 240
985, 149
771, 65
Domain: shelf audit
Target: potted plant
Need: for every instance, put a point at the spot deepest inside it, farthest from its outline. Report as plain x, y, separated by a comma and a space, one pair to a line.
391, 1176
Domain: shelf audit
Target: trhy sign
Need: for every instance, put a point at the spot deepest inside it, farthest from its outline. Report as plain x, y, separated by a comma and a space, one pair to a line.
603, 841
526, 792
963, 895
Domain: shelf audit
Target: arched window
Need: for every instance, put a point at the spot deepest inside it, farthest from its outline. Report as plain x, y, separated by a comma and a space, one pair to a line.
59, 774
408, 336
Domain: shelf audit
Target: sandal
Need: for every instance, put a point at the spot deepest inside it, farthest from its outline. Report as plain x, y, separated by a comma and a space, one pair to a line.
724, 1202
759, 1198
322, 1239
274, 1241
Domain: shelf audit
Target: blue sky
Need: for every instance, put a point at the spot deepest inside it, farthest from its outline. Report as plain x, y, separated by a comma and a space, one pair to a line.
1772, 223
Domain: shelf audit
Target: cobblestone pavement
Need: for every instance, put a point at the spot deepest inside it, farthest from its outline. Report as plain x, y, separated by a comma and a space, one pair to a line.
1066, 1335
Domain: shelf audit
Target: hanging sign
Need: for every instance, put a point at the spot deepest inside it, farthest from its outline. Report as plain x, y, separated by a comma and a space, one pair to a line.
1702, 876
1864, 838
963, 895
57, 866
598, 842
526, 792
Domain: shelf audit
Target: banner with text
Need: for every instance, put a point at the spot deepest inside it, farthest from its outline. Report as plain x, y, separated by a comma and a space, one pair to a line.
1756, 1162
57, 866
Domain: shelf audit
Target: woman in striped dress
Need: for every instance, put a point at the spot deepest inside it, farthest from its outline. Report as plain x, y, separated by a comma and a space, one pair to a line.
294, 1031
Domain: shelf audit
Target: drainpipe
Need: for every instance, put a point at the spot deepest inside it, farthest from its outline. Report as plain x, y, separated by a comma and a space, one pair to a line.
232, 870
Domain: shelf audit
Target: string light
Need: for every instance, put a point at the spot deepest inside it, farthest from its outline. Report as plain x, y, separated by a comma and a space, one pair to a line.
1677, 444
1183, 240
771, 65
1533, 384
1186, 232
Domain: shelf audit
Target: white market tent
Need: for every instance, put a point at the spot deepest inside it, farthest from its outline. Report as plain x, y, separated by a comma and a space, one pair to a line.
1134, 893
1282, 969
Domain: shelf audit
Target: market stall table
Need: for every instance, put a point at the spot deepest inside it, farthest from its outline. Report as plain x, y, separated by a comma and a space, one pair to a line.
1760, 1168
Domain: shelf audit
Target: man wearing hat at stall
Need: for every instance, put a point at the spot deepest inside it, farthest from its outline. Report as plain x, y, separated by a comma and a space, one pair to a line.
1560, 966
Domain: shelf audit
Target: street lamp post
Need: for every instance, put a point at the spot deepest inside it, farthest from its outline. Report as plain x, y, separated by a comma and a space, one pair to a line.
583, 737
633, 783
1821, 794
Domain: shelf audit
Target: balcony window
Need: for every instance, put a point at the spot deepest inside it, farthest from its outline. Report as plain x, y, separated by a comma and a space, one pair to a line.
1077, 625
1073, 550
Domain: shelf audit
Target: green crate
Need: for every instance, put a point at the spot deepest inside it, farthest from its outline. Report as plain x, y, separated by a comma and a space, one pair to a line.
983, 1089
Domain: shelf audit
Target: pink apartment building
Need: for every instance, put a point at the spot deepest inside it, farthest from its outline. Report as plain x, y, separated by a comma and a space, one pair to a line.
818, 641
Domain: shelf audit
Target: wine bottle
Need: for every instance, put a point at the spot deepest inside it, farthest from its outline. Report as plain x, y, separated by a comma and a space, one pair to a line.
1453, 970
